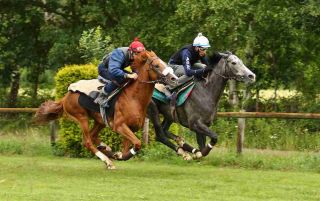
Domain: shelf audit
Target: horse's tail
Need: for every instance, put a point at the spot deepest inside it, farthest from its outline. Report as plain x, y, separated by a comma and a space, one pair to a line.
48, 111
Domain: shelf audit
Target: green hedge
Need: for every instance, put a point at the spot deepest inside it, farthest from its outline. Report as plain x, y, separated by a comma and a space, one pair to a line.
70, 134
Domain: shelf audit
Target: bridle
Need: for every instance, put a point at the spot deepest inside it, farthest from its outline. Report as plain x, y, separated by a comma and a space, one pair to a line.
155, 68
226, 67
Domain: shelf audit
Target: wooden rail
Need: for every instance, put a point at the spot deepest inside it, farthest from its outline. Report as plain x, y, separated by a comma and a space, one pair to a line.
18, 110
269, 115
219, 114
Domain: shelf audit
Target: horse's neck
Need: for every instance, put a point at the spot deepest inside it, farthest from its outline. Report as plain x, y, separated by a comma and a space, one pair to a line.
142, 91
214, 88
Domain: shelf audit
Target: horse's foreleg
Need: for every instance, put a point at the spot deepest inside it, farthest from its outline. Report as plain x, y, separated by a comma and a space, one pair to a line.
87, 142
125, 145
202, 129
180, 141
125, 131
201, 140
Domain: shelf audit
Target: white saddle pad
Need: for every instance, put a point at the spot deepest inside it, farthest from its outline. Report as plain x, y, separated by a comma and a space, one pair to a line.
86, 86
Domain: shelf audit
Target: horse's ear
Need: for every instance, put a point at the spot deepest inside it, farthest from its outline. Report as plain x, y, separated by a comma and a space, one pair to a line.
223, 55
228, 52
143, 55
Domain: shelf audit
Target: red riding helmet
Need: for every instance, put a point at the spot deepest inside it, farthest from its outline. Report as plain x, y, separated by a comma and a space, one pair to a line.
136, 46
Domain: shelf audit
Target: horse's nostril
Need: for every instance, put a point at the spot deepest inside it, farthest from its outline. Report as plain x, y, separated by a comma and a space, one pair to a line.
173, 79
251, 77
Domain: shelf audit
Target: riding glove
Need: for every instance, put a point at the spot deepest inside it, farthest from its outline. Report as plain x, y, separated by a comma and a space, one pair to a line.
131, 76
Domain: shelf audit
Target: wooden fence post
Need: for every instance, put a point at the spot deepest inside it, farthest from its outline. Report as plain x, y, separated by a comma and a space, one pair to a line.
145, 131
53, 132
240, 136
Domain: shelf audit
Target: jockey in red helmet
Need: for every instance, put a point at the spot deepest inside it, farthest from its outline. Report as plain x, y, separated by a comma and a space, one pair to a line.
111, 69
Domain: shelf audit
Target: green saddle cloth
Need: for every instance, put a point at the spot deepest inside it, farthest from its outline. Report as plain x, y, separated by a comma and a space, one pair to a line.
182, 95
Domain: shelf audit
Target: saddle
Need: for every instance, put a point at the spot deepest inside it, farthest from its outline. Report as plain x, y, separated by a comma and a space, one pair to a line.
179, 94
89, 90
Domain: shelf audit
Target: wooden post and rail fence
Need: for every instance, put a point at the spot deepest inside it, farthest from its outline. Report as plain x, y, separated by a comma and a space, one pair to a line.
239, 115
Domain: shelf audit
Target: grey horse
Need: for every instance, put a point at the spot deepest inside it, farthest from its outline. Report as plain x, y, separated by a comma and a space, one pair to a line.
200, 109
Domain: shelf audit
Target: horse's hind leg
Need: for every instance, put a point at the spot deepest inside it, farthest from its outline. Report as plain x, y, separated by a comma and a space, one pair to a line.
73, 109
87, 141
94, 133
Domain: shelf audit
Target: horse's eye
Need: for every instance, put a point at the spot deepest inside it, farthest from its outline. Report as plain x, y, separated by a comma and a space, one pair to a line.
157, 66
233, 63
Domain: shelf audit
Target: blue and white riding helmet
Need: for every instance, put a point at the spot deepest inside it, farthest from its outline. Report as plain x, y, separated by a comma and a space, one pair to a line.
201, 41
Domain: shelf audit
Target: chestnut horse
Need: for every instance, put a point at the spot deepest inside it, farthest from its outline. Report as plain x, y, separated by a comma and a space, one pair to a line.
129, 111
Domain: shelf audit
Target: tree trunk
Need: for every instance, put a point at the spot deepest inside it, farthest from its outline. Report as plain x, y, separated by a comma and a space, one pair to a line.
257, 100
36, 86
15, 84
275, 96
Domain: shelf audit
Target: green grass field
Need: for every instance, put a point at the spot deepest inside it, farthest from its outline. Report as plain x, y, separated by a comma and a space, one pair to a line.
56, 178
29, 171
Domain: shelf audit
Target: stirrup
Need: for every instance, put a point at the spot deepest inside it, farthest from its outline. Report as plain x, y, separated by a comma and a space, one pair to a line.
102, 100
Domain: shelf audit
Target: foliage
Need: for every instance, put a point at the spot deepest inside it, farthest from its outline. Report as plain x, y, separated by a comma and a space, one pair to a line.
70, 140
73, 73
93, 45
278, 40
270, 134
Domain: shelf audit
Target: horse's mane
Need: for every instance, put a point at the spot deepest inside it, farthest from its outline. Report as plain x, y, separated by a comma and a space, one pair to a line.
214, 59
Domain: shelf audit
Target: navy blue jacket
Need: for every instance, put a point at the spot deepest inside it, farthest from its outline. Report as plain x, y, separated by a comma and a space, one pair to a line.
114, 63
188, 56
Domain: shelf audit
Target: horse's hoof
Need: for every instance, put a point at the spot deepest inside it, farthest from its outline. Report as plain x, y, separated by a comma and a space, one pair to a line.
180, 141
197, 155
111, 167
187, 157
108, 149
117, 155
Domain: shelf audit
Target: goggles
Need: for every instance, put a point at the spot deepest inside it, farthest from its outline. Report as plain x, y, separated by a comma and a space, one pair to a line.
202, 49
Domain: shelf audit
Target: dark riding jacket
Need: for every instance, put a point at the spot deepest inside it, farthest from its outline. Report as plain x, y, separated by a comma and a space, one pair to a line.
112, 65
188, 56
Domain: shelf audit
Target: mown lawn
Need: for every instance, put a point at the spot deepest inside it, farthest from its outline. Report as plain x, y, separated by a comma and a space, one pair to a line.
57, 178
